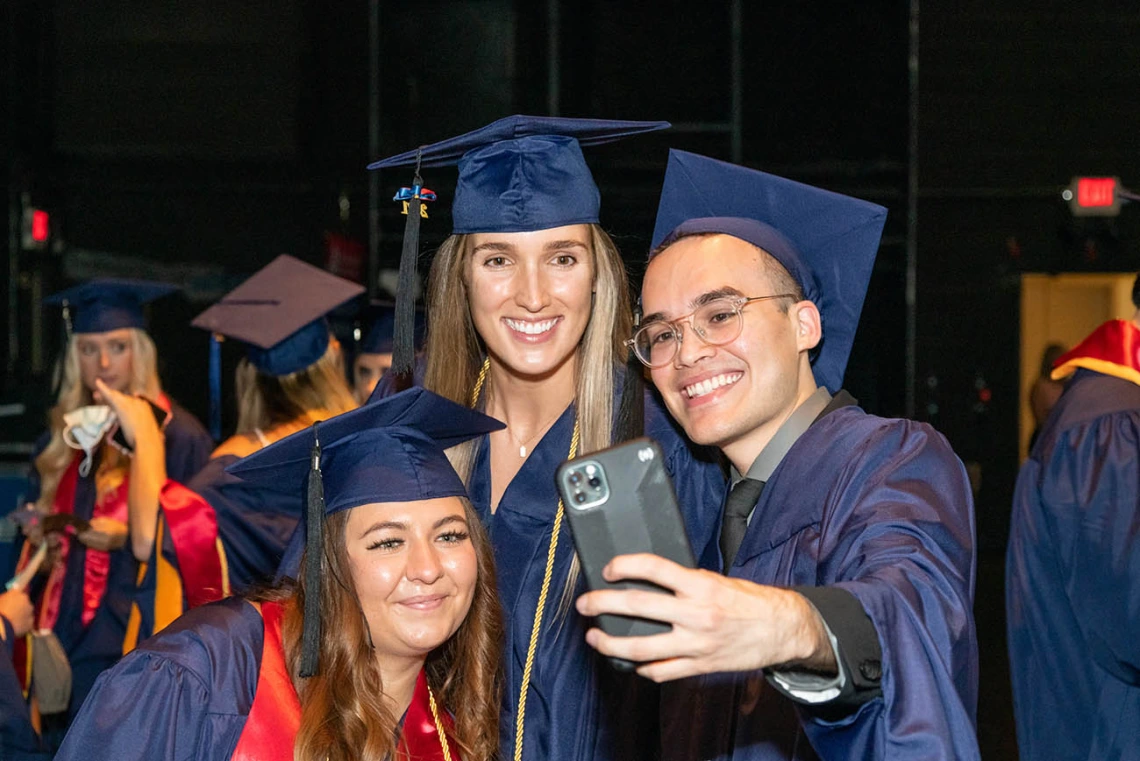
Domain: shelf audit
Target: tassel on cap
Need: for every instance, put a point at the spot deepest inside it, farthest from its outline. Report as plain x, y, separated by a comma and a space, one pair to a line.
57, 383
314, 525
216, 386
67, 319
403, 349
631, 413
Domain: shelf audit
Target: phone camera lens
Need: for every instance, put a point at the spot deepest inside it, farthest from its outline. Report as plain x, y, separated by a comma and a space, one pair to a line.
595, 482
575, 478
579, 497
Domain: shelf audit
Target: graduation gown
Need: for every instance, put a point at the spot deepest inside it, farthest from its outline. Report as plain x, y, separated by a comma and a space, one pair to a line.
1073, 572
213, 686
882, 509
94, 599
254, 523
18, 740
578, 706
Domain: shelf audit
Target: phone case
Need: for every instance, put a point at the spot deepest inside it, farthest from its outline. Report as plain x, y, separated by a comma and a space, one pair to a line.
639, 513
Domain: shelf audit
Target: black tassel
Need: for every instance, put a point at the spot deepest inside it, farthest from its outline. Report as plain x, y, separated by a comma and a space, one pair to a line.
314, 519
403, 340
57, 383
631, 413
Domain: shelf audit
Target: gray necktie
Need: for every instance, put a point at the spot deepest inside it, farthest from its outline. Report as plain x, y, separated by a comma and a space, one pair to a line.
741, 500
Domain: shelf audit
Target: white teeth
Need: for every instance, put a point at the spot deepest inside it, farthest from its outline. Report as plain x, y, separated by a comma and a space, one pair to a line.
709, 385
530, 328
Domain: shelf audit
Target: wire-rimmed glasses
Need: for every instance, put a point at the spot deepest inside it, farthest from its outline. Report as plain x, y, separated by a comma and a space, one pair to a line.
716, 323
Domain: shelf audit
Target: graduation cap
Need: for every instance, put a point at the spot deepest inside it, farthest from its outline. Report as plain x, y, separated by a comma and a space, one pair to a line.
826, 241
390, 450
518, 174
379, 318
106, 304
279, 314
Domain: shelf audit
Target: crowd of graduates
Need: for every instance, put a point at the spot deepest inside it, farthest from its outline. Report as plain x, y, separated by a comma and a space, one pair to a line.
382, 570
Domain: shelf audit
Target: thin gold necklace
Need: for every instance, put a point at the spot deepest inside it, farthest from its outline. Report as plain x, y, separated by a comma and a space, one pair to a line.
538, 432
480, 382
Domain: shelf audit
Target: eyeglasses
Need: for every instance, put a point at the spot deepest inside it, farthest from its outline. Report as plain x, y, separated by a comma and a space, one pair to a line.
716, 323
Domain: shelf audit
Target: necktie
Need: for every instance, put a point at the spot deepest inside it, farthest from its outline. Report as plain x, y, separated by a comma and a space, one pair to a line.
741, 500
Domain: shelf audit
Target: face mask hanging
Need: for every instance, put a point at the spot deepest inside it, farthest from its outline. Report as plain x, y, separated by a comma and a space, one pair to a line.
84, 428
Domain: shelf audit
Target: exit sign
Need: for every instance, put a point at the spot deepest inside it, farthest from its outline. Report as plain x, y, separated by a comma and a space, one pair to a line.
1094, 196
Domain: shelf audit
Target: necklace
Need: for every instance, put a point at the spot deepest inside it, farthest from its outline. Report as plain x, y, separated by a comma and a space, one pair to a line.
538, 432
536, 627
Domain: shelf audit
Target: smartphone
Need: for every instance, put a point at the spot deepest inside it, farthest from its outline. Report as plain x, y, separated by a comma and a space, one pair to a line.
620, 501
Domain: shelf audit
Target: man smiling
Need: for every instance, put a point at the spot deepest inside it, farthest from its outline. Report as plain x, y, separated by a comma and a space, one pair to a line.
842, 626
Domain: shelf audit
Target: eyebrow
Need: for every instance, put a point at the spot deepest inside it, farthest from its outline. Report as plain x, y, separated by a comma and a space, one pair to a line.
568, 243
494, 245
400, 525
705, 298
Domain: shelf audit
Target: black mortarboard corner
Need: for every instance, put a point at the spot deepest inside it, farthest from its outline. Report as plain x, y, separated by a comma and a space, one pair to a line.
826, 241
390, 450
278, 313
518, 174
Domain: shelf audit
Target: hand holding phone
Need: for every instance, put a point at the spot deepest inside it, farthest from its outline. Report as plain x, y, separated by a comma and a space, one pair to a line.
619, 501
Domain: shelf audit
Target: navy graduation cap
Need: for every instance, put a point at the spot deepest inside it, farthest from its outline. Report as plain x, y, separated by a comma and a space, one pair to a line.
518, 174
390, 450
278, 313
379, 319
522, 173
826, 241
106, 304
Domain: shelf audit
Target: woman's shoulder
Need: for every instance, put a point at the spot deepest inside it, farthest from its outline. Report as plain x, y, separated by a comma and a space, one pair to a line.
212, 641
239, 445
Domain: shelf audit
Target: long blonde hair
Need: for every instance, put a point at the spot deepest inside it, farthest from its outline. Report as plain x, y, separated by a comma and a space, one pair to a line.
53, 461
343, 711
314, 393
455, 351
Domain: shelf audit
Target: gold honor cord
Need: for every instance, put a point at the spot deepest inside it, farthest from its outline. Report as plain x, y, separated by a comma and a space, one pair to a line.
547, 573
439, 726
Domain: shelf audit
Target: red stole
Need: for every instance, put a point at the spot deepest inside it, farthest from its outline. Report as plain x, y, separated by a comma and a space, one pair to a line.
1112, 349
270, 731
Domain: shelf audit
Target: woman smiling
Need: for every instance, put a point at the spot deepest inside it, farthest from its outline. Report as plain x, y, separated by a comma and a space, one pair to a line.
387, 646
528, 309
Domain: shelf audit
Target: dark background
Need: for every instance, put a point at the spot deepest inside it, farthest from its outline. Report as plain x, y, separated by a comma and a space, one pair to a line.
196, 141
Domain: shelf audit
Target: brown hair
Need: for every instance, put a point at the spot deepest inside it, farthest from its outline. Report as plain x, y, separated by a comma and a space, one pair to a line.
314, 393
56, 456
343, 712
455, 351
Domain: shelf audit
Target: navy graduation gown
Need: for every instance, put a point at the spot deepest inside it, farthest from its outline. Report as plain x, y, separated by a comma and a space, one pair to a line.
183, 694
1073, 578
882, 509
18, 740
578, 706
95, 647
254, 523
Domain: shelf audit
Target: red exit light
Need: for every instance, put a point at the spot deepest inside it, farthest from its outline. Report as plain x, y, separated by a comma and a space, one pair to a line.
1096, 191
39, 226
1094, 196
